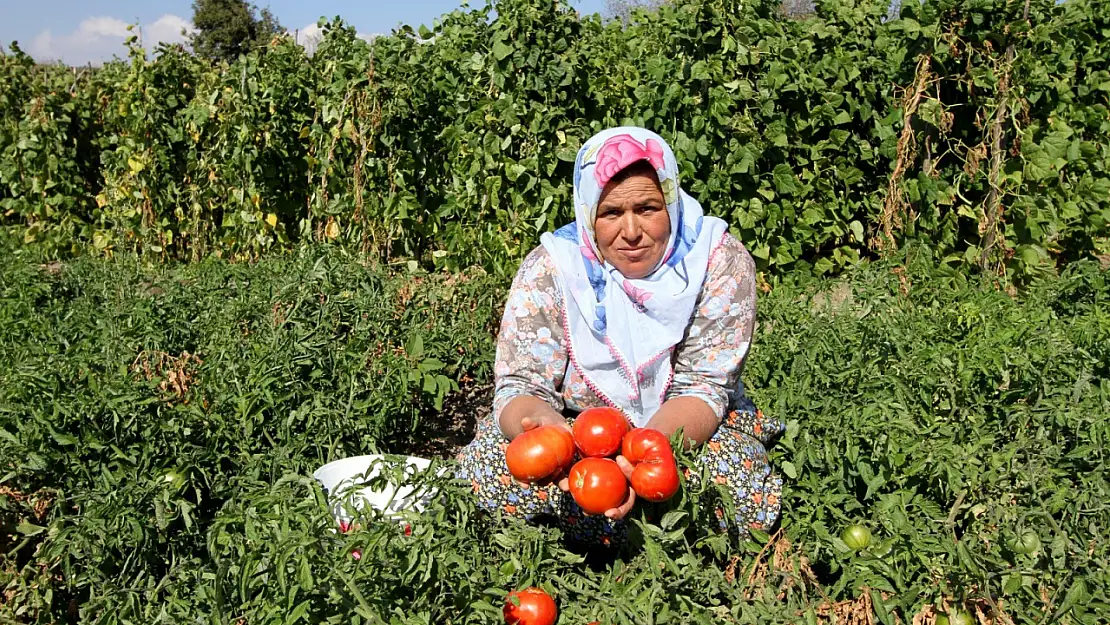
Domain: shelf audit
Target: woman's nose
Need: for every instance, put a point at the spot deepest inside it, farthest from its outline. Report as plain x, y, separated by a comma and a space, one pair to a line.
631, 229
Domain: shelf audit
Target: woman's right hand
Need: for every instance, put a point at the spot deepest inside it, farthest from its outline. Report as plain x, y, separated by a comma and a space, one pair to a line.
535, 421
557, 420
526, 412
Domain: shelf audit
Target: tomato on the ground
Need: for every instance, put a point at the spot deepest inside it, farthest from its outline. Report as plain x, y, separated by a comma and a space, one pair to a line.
536, 607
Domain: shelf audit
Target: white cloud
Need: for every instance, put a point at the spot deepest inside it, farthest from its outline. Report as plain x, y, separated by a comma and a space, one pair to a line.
309, 37
98, 39
169, 29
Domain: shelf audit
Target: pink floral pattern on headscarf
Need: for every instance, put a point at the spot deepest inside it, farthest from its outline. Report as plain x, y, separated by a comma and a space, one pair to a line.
620, 152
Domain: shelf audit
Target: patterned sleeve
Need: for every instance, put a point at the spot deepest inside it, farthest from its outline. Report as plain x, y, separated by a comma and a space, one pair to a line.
711, 357
531, 356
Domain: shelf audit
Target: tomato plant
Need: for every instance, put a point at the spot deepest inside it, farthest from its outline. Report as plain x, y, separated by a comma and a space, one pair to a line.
598, 485
247, 376
540, 453
598, 432
531, 606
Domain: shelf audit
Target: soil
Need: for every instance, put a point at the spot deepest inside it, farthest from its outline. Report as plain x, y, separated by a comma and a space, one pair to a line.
443, 433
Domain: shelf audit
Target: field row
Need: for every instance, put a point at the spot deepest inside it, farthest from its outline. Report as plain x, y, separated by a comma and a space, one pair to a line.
159, 427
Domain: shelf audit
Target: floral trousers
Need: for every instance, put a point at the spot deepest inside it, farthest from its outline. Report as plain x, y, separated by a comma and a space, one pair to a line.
735, 458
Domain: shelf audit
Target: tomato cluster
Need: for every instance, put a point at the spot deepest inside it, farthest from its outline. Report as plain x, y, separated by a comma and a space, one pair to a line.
597, 482
655, 476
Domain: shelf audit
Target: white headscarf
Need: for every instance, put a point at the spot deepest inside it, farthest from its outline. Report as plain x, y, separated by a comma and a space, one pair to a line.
621, 332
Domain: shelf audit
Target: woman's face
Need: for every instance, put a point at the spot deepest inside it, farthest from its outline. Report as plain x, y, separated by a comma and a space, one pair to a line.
632, 225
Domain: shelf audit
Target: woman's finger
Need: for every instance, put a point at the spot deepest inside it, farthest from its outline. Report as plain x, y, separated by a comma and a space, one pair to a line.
625, 466
617, 514
564, 485
531, 423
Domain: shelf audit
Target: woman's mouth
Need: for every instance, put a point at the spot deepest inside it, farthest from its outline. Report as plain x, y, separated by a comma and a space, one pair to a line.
635, 254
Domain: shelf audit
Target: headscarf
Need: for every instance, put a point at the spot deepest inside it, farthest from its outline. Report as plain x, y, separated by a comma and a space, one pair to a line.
620, 332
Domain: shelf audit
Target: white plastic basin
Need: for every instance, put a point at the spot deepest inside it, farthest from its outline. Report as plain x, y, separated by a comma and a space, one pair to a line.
342, 480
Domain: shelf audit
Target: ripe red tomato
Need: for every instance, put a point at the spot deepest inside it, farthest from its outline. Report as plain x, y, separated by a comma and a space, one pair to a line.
640, 443
540, 453
598, 432
536, 608
598, 484
655, 479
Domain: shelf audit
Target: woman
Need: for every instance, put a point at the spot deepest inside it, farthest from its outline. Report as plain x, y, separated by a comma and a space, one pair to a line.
644, 304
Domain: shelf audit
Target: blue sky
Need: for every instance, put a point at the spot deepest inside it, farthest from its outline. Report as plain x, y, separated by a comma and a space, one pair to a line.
83, 31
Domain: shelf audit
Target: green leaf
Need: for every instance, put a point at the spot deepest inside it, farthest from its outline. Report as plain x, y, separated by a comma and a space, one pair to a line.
29, 529
415, 346
785, 181
857, 230
671, 519
789, 469
500, 50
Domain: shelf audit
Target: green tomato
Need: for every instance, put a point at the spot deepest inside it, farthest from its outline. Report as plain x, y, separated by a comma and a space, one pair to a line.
1026, 543
959, 617
173, 479
857, 537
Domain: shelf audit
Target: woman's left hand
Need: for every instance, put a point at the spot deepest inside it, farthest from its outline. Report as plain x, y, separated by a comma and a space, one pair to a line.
620, 512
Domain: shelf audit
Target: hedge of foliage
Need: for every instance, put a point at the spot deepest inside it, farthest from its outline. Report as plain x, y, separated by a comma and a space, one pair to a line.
980, 125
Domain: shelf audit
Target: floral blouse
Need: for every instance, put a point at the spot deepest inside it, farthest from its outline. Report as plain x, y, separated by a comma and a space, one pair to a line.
531, 350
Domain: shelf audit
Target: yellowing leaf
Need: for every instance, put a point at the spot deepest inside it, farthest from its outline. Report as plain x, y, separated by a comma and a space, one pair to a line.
271, 219
332, 229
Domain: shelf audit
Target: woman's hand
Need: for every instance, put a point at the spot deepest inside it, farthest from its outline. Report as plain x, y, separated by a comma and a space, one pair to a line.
538, 417
533, 422
526, 412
